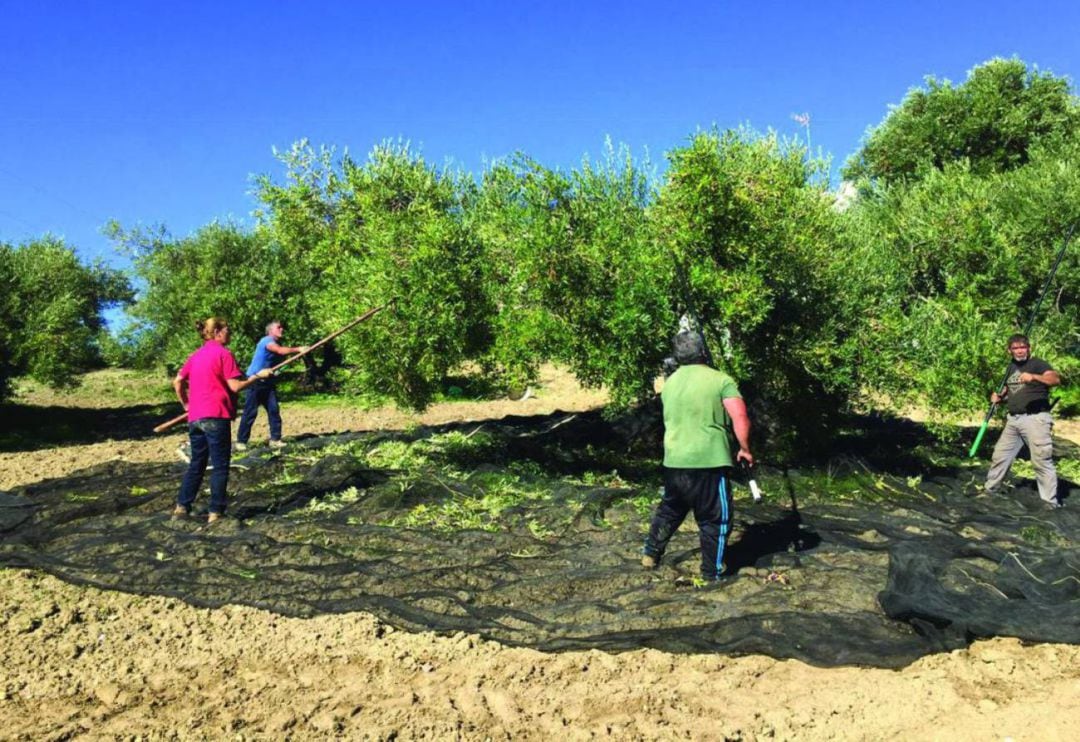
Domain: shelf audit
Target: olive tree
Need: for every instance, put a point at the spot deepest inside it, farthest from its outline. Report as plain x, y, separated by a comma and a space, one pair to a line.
754, 236
387, 229
992, 120
222, 269
575, 273
51, 311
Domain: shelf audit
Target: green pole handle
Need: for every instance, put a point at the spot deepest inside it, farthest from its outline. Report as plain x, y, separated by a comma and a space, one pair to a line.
986, 421
978, 439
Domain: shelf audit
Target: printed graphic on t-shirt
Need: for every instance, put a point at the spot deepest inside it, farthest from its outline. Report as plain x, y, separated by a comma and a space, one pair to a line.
1014, 382
1032, 397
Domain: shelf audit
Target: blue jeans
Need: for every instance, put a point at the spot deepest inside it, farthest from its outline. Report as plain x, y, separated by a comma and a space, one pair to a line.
262, 392
210, 441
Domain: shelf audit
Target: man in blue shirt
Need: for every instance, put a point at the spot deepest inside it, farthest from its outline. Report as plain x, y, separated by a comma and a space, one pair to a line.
268, 353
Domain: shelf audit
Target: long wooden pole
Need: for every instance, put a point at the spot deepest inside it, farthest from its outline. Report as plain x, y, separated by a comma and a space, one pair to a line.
366, 315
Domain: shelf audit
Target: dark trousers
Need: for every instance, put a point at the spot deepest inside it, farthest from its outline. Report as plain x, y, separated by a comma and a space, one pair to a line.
210, 441
708, 493
262, 392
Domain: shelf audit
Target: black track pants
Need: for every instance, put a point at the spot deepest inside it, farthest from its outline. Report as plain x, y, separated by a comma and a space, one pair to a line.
708, 493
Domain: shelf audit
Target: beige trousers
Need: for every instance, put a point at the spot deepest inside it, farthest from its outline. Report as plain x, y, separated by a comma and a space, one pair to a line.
1034, 430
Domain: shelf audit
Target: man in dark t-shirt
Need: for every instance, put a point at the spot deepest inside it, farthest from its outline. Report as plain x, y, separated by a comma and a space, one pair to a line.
1027, 399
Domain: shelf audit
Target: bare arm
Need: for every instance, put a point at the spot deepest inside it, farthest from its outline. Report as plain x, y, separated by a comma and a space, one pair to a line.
740, 422
285, 350
1050, 378
238, 384
179, 386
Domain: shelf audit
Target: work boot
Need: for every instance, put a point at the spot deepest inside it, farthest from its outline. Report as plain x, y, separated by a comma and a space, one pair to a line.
240, 446
648, 561
214, 518
278, 444
179, 512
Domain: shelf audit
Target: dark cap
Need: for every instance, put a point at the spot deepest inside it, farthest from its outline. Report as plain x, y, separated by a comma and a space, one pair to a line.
689, 347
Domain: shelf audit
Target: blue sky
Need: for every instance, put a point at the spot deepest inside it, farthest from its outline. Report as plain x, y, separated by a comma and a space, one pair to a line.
150, 113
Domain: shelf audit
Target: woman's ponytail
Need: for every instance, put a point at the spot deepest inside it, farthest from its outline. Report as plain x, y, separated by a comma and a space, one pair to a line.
210, 327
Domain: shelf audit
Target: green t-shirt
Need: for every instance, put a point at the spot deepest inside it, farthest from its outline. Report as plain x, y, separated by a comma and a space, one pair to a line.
697, 428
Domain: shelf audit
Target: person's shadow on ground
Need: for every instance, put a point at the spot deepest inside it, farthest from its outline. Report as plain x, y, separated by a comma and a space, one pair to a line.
31, 427
760, 540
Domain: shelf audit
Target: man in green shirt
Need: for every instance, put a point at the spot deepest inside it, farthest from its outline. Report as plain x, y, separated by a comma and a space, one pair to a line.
702, 409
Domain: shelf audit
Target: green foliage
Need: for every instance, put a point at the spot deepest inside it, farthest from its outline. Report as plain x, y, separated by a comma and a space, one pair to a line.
391, 228
576, 274
476, 503
906, 294
992, 121
510, 216
941, 271
1039, 535
222, 269
431, 483
51, 308
1067, 468
1068, 401
969, 191
329, 503
757, 239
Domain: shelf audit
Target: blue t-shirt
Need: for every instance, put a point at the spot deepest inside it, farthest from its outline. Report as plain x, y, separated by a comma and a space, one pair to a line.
263, 357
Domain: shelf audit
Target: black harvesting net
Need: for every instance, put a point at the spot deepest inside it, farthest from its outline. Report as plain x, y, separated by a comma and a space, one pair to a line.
528, 531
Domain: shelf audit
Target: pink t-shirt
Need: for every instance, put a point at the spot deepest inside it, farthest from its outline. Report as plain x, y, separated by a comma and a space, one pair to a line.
207, 371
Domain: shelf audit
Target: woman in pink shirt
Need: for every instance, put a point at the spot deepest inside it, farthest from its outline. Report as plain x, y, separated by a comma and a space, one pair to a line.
207, 385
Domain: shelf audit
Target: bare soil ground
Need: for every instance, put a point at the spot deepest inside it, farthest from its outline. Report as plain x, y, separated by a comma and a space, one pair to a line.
80, 662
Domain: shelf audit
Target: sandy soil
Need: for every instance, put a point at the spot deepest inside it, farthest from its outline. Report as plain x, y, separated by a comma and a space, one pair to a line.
78, 662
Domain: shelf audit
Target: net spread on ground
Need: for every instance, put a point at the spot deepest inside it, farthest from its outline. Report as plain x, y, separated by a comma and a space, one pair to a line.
528, 531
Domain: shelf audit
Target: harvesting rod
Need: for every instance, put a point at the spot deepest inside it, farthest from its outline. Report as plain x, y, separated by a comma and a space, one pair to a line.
366, 315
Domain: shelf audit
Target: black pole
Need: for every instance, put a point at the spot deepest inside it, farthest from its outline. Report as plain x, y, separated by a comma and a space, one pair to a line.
680, 272
1027, 331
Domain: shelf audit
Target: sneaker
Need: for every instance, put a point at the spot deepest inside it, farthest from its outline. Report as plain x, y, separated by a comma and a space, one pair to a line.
1054, 504
278, 444
240, 446
648, 561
